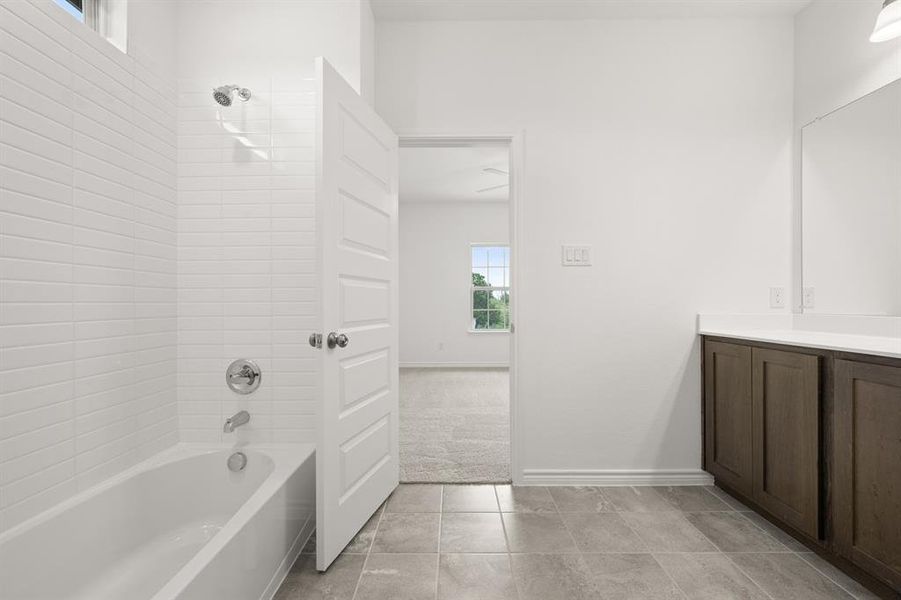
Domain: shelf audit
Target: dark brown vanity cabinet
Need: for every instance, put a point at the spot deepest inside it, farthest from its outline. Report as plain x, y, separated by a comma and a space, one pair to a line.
727, 428
867, 479
811, 439
785, 430
762, 428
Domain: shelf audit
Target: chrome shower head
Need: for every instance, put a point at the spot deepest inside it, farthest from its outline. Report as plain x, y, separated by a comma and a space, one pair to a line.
223, 94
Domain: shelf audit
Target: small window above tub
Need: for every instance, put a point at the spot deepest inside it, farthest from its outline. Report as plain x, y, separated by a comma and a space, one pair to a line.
109, 18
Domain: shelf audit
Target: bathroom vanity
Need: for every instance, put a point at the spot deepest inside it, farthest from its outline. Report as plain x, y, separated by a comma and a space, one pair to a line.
805, 427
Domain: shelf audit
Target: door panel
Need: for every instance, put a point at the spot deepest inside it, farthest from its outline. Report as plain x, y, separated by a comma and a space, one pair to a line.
786, 436
867, 485
356, 196
727, 399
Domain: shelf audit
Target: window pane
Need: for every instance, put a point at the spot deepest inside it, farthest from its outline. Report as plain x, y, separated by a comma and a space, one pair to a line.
72, 7
496, 277
480, 277
500, 300
479, 256
480, 319
497, 319
497, 256
480, 300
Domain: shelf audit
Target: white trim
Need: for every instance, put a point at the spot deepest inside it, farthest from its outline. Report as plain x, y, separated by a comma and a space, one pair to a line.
454, 365
515, 142
614, 477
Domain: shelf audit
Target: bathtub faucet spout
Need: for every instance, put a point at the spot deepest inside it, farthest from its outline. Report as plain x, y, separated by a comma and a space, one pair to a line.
236, 421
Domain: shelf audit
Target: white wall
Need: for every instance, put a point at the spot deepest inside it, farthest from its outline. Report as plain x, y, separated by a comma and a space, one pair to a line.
87, 251
246, 184
435, 274
666, 145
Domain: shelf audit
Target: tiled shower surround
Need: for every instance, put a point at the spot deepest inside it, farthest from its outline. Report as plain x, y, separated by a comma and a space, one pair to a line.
148, 237
246, 270
87, 259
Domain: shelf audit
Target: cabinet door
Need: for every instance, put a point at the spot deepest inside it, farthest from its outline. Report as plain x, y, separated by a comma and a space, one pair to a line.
867, 484
727, 414
786, 418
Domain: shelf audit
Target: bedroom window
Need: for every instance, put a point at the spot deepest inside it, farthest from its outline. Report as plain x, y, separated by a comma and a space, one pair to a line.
490, 291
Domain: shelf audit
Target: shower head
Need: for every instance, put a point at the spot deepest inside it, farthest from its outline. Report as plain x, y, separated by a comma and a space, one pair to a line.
223, 94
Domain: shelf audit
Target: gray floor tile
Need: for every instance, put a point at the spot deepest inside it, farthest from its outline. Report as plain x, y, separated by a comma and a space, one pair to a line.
399, 577
553, 577
787, 540
304, 582
838, 576
525, 499
709, 577
415, 498
475, 577
469, 498
631, 577
731, 532
637, 499
788, 577
602, 532
531, 532
407, 533
668, 532
580, 499
691, 498
472, 532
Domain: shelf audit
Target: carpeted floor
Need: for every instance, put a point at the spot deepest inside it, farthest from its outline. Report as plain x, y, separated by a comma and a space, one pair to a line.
455, 425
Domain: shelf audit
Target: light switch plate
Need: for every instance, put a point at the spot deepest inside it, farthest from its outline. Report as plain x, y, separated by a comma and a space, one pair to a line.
576, 256
808, 297
777, 297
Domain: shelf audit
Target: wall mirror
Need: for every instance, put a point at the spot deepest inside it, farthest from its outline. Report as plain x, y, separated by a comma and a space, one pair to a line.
851, 208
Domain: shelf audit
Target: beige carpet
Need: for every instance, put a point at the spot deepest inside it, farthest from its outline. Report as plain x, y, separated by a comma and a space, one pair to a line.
455, 425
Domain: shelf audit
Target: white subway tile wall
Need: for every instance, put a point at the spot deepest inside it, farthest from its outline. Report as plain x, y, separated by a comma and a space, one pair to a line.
246, 256
88, 167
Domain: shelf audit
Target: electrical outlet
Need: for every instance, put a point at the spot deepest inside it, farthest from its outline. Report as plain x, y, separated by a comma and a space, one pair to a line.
777, 297
576, 256
808, 297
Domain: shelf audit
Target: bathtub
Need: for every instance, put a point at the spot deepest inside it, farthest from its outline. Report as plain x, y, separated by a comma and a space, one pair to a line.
180, 525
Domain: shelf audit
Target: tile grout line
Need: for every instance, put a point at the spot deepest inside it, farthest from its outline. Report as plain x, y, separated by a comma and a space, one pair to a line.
509, 555
440, 523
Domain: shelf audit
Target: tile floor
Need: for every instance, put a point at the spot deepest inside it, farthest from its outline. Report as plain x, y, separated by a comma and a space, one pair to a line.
485, 542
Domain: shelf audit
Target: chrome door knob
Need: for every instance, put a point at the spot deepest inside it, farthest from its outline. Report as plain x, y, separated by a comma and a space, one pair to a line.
337, 339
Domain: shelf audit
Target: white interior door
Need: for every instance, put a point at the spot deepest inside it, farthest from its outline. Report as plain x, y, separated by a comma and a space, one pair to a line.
356, 204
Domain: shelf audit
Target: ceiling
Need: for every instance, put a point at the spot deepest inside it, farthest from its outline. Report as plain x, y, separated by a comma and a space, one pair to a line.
460, 10
454, 174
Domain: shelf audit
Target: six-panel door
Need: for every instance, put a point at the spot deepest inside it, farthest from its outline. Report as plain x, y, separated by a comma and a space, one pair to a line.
727, 412
867, 482
786, 413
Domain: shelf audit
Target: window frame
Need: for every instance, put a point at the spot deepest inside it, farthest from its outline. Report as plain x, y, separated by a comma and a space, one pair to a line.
106, 18
489, 288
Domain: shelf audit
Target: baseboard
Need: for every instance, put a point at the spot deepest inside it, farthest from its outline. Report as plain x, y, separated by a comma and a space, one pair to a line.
453, 365
616, 477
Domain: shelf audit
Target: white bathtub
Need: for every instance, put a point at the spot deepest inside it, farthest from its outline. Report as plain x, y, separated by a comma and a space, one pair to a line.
177, 526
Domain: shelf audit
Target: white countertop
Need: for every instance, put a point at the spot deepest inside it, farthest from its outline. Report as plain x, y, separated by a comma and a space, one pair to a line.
782, 330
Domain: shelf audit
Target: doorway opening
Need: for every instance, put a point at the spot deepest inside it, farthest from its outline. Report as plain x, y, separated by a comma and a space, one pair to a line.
457, 295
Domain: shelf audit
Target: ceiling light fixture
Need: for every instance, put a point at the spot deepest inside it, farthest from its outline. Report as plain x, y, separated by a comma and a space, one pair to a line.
888, 24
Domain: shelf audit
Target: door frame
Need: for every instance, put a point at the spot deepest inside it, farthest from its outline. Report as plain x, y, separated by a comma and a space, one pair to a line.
515, 142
